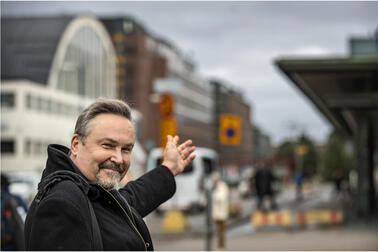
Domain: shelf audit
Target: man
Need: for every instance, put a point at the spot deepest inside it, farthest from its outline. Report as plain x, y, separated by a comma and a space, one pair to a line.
264, 179
79, 205
13, 207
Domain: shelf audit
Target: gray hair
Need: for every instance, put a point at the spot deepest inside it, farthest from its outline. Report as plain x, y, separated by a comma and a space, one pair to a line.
100, 106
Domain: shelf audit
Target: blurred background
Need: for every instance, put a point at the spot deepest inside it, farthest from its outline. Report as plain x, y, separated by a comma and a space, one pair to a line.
285, 87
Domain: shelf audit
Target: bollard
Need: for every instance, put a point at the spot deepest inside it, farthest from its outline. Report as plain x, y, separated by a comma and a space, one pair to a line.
174, 222
209, 231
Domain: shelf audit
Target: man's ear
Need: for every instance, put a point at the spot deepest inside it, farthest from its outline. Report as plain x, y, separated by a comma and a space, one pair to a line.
75, 141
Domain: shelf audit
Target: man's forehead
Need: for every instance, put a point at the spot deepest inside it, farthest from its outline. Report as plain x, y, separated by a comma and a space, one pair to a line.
111, 126
109, 116
111, 120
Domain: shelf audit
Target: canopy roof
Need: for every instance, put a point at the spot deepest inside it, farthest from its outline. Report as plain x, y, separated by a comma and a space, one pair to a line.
343, 89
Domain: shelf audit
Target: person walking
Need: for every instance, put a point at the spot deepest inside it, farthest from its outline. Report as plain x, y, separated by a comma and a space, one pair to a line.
80, 204
220, 209
12, 223
264, 179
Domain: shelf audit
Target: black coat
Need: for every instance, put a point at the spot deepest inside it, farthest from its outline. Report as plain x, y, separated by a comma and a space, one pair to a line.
59, 217
264, 179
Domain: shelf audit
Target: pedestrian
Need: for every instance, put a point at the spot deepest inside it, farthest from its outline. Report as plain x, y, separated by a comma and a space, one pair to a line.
264, 180
80, 205
220, 209
298, 180
12, 224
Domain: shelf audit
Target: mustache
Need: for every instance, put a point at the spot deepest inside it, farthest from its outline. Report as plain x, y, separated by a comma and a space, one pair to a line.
113, 166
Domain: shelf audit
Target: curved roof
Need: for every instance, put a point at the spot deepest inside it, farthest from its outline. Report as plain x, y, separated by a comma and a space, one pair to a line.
28, 46
71, 54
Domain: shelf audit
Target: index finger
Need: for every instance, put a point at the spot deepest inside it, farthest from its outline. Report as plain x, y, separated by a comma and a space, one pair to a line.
184, 145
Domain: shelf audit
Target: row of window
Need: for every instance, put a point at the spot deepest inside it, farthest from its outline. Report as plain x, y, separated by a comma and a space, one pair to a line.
7, 100
35, 147
39, 103
50, 106
31, 147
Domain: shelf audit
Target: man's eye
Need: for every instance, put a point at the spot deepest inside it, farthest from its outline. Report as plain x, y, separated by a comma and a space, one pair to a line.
107, 145
126, 150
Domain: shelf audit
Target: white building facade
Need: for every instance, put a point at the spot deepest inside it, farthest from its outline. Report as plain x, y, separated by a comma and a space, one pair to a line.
35, 114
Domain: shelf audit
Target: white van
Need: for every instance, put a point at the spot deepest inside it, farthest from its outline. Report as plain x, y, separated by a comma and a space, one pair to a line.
190, 193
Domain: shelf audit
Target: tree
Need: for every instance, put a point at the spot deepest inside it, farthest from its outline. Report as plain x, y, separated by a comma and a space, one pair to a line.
285, 150
307, 161
336, 157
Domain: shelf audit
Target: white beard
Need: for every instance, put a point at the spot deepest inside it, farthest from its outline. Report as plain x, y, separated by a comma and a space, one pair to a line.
108, 179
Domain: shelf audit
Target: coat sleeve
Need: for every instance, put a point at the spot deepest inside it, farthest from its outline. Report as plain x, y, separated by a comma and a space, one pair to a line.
59, 224
150, 190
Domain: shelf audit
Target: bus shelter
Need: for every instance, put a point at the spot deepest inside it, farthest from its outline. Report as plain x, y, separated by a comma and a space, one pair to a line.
345, 91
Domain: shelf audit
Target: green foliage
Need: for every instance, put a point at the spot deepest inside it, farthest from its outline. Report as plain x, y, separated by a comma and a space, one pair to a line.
336, 159
285, 150
309, 163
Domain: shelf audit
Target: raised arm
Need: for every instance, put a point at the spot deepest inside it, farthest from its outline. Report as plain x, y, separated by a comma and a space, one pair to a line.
158, 185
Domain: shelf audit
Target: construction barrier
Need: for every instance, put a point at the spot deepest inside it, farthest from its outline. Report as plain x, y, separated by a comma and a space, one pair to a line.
261, 219
287, 219
320, 217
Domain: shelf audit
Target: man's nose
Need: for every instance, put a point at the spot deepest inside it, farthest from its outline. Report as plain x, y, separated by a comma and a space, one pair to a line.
117, 157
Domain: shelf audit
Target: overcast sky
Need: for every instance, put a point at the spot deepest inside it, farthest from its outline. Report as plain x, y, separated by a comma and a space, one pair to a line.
237, 42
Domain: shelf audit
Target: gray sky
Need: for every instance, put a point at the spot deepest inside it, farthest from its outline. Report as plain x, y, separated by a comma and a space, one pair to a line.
237, 42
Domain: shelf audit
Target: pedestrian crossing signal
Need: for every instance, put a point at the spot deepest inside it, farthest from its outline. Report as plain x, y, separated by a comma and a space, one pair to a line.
230, 129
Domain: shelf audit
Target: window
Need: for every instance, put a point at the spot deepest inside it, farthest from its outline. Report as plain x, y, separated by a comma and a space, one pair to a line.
128, 50
188, 168
7, 100
208, 165
28, 101
27, 146
58, 108
37, 148
87, 66
128, 26
39, 103
7, 146
48, 105
129, 71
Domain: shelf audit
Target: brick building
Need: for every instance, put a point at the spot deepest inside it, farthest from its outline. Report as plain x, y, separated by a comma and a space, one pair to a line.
147, 66
229, 101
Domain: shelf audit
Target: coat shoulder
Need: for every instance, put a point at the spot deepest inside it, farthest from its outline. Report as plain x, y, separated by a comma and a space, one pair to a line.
67, 191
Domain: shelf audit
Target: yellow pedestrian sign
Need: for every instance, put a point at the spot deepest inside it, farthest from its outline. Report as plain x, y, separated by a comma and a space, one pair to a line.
168, 126
167, 105
230, 129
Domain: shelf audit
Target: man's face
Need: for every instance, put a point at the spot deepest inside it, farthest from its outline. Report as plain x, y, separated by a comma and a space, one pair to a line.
105, 156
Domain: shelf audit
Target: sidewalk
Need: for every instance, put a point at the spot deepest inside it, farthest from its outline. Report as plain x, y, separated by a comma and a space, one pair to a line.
339, 238
242, 235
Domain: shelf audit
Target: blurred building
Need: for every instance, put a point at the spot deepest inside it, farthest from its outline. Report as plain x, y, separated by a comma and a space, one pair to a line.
262, 144
240, 152
51, 68
148, 66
